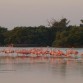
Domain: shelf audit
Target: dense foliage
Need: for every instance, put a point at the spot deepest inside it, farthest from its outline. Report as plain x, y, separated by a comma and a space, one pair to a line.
58, 34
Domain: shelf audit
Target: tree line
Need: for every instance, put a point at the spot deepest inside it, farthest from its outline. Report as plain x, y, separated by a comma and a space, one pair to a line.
57, 34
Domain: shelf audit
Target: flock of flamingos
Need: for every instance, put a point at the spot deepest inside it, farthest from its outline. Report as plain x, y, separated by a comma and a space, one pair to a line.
40, 53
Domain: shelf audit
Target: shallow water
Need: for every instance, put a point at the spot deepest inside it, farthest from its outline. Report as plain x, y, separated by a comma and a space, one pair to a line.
53, 71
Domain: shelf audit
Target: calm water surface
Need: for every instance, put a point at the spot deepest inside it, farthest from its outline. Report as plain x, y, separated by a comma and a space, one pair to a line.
57, 71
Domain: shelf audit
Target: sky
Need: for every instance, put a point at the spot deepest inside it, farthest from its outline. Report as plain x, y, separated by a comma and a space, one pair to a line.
38, 12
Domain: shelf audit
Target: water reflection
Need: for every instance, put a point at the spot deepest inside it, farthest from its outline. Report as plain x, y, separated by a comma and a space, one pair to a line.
34, 71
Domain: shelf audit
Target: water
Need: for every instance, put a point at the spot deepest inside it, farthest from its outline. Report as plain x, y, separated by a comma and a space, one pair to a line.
56, 71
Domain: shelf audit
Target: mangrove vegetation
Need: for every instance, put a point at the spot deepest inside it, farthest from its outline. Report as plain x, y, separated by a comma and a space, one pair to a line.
57, 34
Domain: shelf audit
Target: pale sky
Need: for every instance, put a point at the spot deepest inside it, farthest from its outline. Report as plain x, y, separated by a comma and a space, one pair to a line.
37, 12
